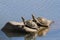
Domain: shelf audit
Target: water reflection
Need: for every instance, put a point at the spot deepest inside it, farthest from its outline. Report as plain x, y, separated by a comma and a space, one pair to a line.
4, 37
52, 35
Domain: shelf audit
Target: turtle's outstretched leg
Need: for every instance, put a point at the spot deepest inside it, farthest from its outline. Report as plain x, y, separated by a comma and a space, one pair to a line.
23, 20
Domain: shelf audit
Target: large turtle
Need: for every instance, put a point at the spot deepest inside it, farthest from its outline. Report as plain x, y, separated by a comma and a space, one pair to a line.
40, 24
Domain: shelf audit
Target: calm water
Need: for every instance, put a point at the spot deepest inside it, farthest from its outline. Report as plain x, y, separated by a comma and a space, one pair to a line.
52, 35
12, 10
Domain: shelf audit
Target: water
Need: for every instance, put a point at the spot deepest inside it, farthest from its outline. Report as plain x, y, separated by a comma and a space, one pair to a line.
52, 35
12, 10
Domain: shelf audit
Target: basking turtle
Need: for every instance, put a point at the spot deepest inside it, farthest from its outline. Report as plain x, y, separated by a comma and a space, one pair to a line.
41, 24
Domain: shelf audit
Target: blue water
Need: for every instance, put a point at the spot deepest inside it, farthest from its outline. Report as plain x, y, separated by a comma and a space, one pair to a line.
12, 10
52, 35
